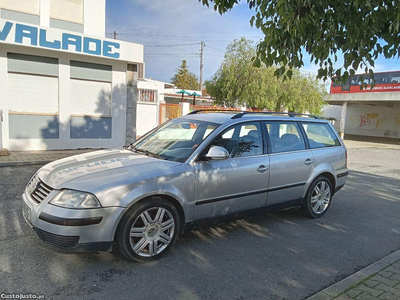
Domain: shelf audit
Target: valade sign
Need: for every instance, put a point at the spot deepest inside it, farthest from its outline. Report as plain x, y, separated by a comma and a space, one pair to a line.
38, 37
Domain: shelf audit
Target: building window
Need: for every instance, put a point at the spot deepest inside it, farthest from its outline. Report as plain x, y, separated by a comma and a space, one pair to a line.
25, 6
67, 10
147, 96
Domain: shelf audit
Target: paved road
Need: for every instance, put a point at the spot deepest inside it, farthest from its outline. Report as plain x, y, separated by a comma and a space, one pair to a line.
276, 256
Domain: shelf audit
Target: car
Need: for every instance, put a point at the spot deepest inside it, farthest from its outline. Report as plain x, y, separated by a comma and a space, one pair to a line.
192, 171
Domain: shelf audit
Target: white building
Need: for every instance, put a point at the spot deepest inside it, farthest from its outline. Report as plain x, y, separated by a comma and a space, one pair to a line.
63, 85
371, 116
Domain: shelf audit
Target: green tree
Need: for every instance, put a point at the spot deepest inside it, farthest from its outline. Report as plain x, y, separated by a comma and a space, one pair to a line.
360, 31
238, 81
184, 79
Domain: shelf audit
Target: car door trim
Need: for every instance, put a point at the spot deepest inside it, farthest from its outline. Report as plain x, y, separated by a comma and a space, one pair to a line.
217, 199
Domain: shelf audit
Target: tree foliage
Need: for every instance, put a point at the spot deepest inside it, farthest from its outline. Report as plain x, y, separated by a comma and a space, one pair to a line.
358, 30
184, 79
238, 81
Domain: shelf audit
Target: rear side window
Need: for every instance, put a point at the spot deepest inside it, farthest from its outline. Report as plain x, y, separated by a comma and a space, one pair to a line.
285, 137
320, 135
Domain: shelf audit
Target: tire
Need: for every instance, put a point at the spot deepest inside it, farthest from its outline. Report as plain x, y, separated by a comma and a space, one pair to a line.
154, 224
315, 204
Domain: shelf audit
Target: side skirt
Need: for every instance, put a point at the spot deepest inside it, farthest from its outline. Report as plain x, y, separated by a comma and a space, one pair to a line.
239, 215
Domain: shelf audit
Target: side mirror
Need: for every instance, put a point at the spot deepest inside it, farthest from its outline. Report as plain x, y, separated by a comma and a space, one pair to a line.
217, 153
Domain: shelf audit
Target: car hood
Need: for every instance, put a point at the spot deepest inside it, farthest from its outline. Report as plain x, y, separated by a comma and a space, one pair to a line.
88, 171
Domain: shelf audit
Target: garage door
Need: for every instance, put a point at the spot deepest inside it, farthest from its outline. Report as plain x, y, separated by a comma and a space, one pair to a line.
33, 97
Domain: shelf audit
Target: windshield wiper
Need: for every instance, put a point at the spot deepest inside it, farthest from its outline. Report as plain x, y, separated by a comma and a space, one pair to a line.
146, 152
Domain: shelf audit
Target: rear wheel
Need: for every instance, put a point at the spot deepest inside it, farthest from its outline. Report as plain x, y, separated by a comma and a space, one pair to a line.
318, 198
148, 230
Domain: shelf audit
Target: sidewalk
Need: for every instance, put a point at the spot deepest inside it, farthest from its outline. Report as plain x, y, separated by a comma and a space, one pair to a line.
36, 157
381, 281
359, 144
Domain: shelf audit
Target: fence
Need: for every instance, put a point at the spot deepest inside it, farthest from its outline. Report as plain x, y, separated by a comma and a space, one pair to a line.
200, 107
169, 111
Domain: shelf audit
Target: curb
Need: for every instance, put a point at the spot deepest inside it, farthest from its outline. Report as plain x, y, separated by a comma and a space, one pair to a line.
24, 163
336, 289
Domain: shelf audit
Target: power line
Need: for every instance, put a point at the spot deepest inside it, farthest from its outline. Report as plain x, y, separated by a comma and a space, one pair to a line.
183, 36
215, 49
179, 54
173, 45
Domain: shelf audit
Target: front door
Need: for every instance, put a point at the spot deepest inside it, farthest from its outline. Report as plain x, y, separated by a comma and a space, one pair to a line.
291, 164
235, 184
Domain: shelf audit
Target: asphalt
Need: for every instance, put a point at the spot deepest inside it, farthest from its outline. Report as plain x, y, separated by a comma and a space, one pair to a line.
274, 256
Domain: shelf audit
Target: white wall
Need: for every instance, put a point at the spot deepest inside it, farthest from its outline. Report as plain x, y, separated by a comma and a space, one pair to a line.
118, 110
128, 51
333, 111
148, 113
95, 17
377, 121
146, 118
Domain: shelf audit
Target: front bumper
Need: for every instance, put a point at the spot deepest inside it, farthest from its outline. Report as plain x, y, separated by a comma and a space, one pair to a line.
72, 229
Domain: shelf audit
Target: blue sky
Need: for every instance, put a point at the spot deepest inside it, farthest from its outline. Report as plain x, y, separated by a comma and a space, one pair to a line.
172, 30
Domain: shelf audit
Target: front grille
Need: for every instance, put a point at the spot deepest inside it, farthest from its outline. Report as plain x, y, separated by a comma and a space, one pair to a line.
38, 190
61, 241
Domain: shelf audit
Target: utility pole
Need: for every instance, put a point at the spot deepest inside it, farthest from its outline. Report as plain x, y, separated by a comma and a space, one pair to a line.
115, 35
201, 65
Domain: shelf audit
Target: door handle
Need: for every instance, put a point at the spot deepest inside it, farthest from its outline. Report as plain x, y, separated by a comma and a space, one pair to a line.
308, 161
262, 169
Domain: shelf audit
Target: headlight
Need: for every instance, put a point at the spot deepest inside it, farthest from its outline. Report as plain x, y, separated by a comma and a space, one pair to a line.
75, 199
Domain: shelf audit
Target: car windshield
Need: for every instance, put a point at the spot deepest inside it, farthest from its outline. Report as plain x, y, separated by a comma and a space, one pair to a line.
176, 140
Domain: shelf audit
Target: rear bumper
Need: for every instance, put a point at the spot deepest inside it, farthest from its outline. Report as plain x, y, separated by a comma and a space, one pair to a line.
341, 179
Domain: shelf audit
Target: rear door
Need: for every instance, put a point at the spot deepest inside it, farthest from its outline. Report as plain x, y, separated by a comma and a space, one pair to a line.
235, 184
291, 163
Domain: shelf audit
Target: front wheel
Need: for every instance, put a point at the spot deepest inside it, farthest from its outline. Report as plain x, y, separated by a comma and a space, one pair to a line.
318, 198
148, 230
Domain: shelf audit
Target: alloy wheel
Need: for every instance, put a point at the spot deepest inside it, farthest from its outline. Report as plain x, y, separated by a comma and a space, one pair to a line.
152, 231
320, 197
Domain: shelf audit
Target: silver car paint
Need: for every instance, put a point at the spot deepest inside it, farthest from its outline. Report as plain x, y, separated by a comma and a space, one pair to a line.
119, 178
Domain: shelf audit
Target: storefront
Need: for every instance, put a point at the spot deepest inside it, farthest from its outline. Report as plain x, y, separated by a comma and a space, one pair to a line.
63, 88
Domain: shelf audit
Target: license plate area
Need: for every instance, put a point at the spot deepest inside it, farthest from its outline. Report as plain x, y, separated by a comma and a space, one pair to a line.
26, 212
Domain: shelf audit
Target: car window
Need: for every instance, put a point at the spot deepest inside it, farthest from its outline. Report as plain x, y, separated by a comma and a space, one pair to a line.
320, 135
228, 134
175, 140
285, 136
241, 140
209, 129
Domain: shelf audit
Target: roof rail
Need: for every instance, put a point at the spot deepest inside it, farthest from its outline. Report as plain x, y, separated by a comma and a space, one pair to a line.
290, 114
213, 110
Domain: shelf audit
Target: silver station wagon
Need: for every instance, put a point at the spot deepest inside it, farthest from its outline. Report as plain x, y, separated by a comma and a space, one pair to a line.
191, 171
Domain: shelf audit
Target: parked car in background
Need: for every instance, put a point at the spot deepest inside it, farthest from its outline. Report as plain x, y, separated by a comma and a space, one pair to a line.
191, 171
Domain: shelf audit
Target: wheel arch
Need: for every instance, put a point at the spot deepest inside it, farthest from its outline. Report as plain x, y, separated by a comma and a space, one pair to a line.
175, 202
327, 173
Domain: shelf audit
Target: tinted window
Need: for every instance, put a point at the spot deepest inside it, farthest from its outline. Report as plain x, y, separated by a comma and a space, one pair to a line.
320, 135
285, 136
241, 140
